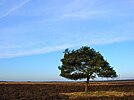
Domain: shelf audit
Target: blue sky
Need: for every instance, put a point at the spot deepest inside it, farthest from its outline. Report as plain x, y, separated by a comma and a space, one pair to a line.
34, 33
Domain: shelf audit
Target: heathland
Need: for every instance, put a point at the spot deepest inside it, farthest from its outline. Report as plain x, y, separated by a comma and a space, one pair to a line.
113, 90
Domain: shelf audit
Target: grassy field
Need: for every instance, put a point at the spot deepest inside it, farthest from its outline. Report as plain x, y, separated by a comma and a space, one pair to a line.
123, 90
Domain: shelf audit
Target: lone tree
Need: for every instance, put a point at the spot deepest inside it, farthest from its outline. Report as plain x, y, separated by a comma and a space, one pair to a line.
85, 63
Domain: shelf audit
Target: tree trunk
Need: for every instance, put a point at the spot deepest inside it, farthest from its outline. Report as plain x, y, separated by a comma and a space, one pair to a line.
86, 85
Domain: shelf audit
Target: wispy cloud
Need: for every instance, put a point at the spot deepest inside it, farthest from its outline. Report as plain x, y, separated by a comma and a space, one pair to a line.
32, 36
93, 9
84, 14
16, 7
80, 9
13, 52
35, 47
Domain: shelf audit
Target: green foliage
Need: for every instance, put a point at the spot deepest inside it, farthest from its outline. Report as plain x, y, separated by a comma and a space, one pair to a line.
85, 63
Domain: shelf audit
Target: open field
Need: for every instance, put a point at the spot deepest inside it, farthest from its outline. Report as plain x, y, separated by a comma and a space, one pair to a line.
123, 90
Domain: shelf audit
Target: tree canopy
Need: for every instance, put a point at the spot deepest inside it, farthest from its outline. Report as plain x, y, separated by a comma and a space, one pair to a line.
85, 63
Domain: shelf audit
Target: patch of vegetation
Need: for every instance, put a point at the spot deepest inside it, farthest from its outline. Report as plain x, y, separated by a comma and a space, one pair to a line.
99, 94
67, 91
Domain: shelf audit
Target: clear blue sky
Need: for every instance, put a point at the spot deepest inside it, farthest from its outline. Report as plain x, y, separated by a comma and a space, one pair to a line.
34, 33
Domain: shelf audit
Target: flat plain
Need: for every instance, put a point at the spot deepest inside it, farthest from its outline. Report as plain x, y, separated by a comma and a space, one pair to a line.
113, 90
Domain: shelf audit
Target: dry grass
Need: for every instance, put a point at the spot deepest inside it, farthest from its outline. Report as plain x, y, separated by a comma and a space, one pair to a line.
66, 90
75, 83
56, 83
98, 94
